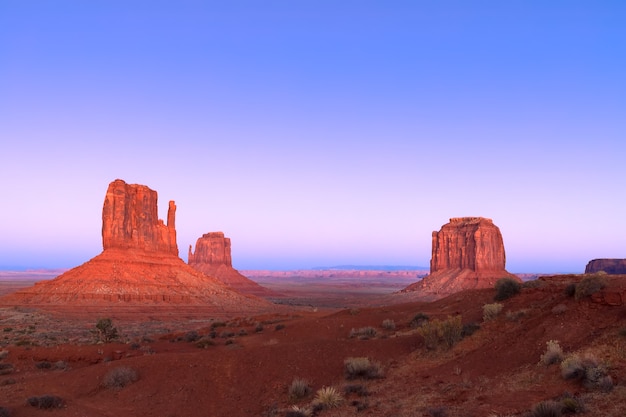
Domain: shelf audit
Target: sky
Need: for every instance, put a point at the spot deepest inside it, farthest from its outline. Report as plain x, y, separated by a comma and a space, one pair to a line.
317, 133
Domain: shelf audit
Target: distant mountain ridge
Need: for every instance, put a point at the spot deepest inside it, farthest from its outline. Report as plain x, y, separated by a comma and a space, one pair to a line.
371, 268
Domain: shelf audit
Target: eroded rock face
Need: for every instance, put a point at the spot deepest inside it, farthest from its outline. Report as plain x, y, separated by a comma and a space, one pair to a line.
467, 253
610, 266
130, 220
139, 263
213, 257
212, 249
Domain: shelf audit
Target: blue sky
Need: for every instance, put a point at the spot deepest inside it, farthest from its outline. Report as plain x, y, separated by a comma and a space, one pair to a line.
317, 132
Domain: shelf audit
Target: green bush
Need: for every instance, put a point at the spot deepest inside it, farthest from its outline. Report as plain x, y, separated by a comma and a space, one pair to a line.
506, 288
491, 311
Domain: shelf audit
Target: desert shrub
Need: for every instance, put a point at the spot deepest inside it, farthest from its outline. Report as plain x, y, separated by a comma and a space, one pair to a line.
553, 354
516, 315
279, 327
419, 319
559, 309
469, 329
43, 365
204, 343
299, 388
226, 334
547, 409
7, 381
589, 285
258, 328
60, 365
119, 377
570, 290
357, 389
572, 367
105, 332
229, 342
450, 331
296, 411
46, 402
363, 333
533, 283
362, 368
506, 288
430, 332
216, 324
3, 354
446, 332
437, 412
327, 397
191, 336
389, 324
7, 329
4, 412
491, 311
6, 368
243, 332
571, 404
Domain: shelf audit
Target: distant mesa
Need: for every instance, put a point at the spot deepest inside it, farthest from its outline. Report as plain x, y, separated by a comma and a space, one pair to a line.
139, 263
467, 253
213, 257
610, 266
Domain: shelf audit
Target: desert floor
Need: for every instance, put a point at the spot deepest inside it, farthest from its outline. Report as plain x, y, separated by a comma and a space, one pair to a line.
191, 361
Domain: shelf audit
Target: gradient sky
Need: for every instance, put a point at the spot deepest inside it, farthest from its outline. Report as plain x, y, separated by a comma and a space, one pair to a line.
317, 133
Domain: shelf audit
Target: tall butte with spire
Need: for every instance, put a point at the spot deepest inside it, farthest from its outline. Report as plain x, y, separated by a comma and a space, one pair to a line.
212, 256
467, 253
139, 263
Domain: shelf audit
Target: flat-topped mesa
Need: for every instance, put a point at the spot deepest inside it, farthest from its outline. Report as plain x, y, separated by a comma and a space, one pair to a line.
473, 243
610, 266
130, 220
212, 249
467, 253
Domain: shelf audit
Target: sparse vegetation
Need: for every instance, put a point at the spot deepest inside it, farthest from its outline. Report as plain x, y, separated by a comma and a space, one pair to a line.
419, 319
327, 397
389, 324
363, 333
547, 409
445, 332
589, 285
506, 288
570, 290
588, 370
299, 389
4, 412
105, 332
296, 411
559, 309
204, 343
516, 315
357, 389
469, 329
553, 354
491, 311
438, 412
6, 368
363, 368
191, 336
571, 404
43, 365
46, 402
119, 377
279, 327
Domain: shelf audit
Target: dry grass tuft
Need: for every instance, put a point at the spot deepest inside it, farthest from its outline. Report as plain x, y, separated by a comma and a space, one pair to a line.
120, 377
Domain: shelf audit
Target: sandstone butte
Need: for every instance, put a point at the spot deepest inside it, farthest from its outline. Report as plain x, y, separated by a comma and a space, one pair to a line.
610, 266
139, 263
467, 253
213, 257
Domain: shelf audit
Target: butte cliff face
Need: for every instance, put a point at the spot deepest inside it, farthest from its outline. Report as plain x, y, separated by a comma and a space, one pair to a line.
610, 266
213, 257
130, 220
467, 253
139, 263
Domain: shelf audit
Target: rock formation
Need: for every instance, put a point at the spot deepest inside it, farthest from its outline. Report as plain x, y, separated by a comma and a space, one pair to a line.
213, 257
467, 253
610, 266
130, 220
139, 263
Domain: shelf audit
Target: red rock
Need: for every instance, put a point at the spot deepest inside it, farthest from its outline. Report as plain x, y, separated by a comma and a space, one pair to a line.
139, 263
467, 253
130, 220
213, 257
610, 266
